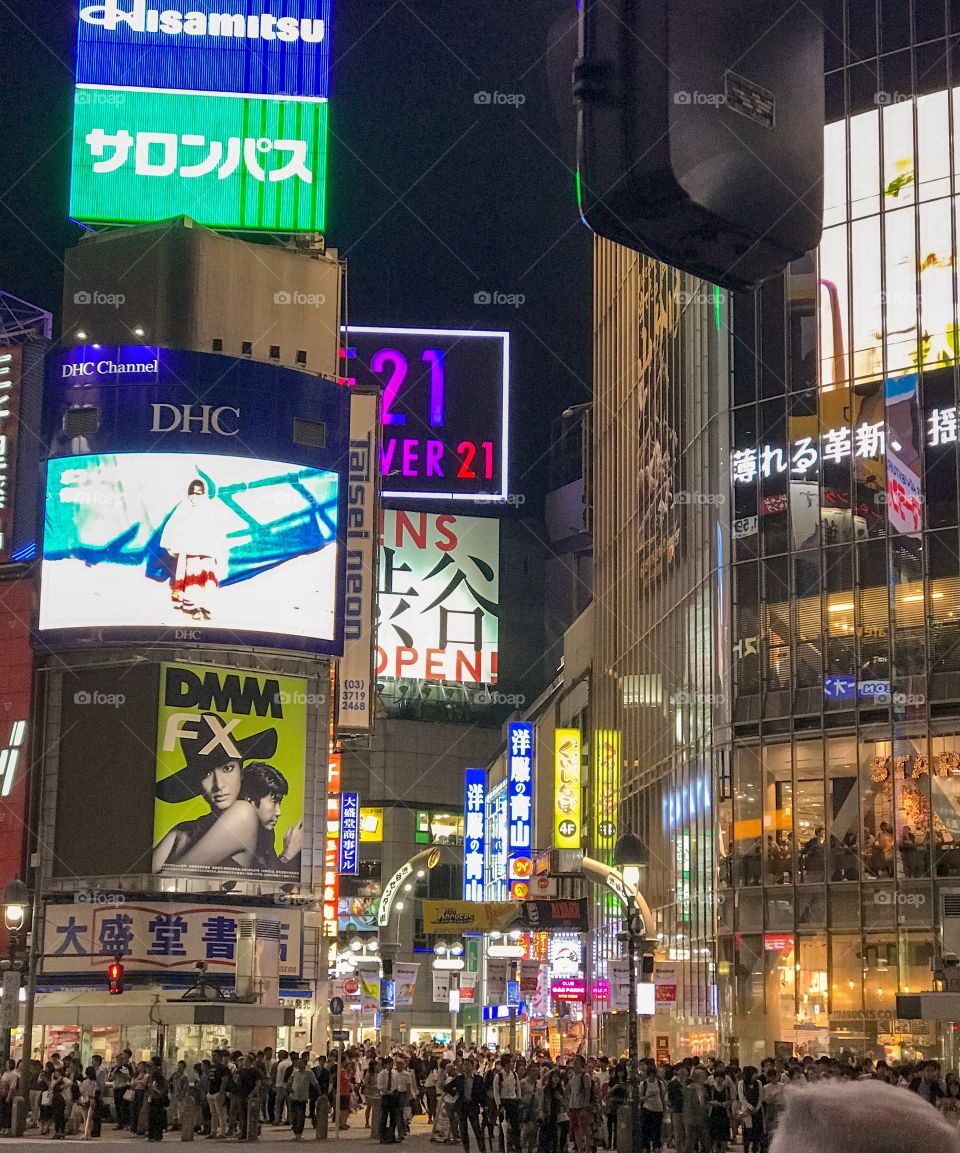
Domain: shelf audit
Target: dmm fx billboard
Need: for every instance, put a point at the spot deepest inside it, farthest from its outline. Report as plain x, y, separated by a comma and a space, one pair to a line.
519, 809
231, 747
212, 109
439, 598
445, 410
165, 938
192, 497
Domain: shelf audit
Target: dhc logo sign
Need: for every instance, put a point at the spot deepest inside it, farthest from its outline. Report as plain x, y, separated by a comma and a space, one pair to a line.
201, 418
136, 16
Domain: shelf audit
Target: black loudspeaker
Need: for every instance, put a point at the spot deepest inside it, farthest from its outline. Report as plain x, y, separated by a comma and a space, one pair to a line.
700, 131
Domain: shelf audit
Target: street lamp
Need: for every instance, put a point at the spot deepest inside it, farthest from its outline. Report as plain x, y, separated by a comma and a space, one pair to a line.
631, 857
16, 905
16, 899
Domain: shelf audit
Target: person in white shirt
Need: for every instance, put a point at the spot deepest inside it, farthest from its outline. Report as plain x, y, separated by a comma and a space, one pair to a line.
506, 1094
389, 1083
280, 1079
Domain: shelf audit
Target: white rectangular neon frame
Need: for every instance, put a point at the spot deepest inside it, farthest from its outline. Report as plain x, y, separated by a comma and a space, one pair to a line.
463, 333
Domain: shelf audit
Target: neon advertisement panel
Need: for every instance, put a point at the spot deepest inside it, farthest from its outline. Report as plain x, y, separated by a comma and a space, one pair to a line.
445, 408
207, 111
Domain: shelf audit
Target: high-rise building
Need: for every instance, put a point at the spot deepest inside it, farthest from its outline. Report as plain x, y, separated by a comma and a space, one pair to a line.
777, 578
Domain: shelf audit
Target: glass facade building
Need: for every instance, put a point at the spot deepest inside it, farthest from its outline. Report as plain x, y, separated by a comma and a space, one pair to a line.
838, 826
658, 710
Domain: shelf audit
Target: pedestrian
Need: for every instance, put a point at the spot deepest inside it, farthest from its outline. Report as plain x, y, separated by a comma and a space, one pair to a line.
470, 1094
751, 1111
653, 1105
58, 1107
696, 1113
157, 1095
675, 1088
581, 1100
298, 1094
281, 1073
506, 1095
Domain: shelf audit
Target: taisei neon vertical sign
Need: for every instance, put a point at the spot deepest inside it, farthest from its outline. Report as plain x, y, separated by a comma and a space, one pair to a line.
519, 809
474, 835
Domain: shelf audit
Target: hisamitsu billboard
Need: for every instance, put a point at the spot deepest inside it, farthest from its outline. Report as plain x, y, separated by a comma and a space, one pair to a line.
217, 111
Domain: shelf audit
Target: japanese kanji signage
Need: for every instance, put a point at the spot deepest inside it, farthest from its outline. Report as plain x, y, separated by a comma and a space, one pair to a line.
567, 800
520, 809
216, 115
439, 597
82, 938
349, 832
474, 835
10, 369
231, 746
606, 791
331, 850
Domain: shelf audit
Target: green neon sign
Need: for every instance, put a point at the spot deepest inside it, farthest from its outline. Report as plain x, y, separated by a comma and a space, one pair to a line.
231, 162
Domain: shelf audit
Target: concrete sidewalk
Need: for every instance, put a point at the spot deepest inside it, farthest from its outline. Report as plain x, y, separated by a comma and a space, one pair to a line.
272, 1140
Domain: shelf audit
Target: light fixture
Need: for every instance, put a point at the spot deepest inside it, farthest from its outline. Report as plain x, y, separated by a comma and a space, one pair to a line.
81, 335
15, 902
440, 948
138, 331
505, 951
456, 950
408, 888
844, 607
356, 944
515, 934
494, 934
421, 873
451, 964
399, 906
630, 856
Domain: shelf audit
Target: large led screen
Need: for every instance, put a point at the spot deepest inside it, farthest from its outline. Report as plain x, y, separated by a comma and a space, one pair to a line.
190, 546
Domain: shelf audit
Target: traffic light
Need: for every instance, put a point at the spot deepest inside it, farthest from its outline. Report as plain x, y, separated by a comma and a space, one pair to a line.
700, 132
115, 976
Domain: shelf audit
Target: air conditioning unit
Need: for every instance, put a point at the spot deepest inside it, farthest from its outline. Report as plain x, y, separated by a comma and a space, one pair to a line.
950, 922
246, 958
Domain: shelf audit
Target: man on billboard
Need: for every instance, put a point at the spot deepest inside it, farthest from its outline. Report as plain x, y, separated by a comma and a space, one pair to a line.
244, 799
230, 769
195, 536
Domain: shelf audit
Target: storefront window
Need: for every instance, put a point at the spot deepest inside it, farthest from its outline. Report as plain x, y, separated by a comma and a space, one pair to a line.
778, 844
843, 810
747, 836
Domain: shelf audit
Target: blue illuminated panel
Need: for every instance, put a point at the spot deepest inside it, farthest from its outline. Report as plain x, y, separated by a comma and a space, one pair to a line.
246, 47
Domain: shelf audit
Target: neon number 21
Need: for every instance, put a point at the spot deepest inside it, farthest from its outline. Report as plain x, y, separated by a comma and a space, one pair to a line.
434, 357
380, 359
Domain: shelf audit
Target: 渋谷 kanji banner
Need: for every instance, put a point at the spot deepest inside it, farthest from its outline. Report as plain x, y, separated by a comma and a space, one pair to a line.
439, 598
227, 161
230, 771
87, 934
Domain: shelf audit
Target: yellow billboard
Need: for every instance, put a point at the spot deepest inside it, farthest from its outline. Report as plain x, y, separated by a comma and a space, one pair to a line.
606, 792
568, 817
371, 824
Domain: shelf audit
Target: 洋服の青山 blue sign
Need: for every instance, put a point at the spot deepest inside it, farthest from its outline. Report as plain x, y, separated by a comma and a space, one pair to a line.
214, 109
520, 808
349, 832
474, 835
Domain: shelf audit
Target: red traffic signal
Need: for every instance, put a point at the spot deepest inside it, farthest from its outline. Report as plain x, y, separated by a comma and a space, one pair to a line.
115, 977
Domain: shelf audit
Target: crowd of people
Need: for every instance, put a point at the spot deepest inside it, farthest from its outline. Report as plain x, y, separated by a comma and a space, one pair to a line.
513, 1103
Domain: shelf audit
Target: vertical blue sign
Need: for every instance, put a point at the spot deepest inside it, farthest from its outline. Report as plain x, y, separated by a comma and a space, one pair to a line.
349, 832
520, 810
474, 835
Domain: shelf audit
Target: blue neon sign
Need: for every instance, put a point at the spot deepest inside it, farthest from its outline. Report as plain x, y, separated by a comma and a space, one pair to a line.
245, 47
474, 835
520, 809
349, 832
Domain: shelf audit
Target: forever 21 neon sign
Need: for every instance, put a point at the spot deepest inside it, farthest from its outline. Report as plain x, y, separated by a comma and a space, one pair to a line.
443, 410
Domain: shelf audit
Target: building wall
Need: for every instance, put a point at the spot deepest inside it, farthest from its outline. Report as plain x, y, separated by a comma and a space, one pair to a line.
846, 575
658, 707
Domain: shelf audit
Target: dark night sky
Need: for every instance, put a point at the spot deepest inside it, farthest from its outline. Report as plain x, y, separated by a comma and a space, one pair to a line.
432, 197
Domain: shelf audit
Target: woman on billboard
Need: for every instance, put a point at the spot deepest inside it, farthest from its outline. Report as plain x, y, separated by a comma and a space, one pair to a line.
194, 535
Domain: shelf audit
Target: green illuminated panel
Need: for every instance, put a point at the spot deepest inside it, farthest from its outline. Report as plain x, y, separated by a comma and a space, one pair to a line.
142, 156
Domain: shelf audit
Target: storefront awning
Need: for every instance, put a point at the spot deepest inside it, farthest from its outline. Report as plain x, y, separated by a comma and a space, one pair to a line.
93, 1009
